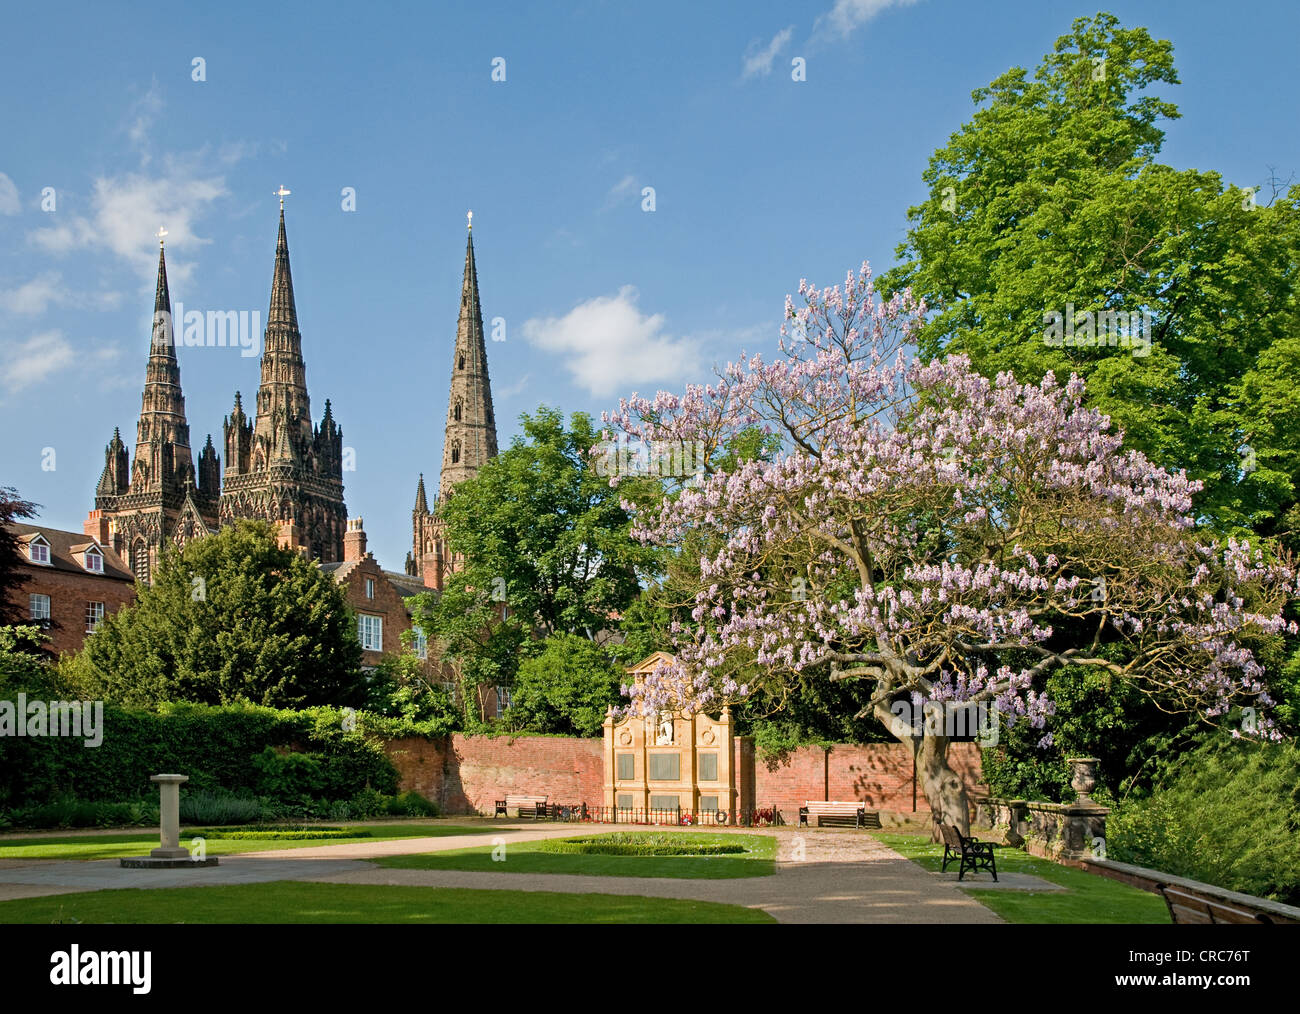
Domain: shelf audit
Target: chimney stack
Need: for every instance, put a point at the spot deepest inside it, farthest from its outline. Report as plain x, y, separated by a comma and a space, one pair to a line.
354, 540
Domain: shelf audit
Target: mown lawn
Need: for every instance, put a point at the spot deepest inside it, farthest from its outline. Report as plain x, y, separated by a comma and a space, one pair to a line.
536, 857
1088, 899
131, 843
293, 902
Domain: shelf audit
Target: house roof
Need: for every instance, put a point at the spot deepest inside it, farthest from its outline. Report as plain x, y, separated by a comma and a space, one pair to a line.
66, 547
406, 584
651, 662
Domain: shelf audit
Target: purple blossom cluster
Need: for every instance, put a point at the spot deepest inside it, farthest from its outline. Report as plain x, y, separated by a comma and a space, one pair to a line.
939, 534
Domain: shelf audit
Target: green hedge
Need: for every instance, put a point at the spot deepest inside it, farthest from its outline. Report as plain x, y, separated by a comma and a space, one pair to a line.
259, 834
643, 843
219, 748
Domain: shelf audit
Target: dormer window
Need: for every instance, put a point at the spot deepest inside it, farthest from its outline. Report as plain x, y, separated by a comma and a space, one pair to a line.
93, 560
38, 551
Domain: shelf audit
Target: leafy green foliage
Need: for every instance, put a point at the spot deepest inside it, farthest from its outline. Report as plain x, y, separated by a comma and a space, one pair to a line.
231, 617
566, 688
1052, 195
25, 666
1229, 815
12, 574
538, 527
219, 748
401, 687
645, 843
69, 811
1097, 715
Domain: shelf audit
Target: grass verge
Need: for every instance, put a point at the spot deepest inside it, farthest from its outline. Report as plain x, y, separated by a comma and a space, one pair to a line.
542, 857
132, 844
290, 902
1088, 898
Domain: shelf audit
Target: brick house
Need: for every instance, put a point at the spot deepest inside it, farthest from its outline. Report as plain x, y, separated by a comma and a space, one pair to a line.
375, 595
378, 597
72, 582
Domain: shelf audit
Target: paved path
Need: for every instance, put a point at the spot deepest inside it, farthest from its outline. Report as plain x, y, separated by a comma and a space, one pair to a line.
821, 877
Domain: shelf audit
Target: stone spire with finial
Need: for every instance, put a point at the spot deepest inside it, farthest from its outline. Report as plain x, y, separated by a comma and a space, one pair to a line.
471, 435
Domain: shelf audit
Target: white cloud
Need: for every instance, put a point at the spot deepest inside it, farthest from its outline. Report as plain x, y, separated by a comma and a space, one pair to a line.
126, 212
619, 190
758, 61
23, 364
143, 112
32, 297
608, 345
622, 186
510, 390
9, 203
849, 15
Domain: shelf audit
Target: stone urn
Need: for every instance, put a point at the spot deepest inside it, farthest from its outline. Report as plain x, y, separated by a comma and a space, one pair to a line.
1083, 776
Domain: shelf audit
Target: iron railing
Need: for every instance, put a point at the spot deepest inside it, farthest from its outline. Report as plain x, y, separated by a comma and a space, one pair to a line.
675, 816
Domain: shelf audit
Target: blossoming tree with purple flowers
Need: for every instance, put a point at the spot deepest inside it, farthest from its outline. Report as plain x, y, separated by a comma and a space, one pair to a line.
945, 537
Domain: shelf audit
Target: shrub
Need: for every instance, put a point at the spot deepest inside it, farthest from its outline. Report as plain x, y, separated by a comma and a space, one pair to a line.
633, 843
68, 811
289, 776
205, 807
273, 833
369, 803
412, 804
1229, 816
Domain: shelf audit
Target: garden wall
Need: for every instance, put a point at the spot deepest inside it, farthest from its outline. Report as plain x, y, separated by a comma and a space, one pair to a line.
879, 774
465, 774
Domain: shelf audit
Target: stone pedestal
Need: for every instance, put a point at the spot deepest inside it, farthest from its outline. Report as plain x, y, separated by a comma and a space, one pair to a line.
169, 810
170, 854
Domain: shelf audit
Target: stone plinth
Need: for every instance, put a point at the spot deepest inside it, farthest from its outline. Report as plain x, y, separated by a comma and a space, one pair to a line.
170, 854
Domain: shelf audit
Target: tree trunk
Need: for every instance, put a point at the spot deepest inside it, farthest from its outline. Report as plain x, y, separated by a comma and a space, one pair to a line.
942, 785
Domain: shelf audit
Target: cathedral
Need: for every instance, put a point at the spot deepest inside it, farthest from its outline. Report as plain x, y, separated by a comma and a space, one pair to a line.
470, 437
279, 466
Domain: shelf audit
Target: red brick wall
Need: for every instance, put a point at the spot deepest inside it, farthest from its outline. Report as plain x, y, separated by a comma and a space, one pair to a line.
465, 774
880, 774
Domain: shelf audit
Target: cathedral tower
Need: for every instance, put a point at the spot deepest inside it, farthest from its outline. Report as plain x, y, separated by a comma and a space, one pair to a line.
470, 438
163, 500
279, 467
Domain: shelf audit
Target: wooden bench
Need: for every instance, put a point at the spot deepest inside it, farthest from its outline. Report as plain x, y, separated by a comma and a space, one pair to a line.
971, 853
1187, 905
526, 806
834, 812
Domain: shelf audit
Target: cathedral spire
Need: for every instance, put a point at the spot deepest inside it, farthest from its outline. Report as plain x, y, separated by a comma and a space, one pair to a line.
421, 503
284, 428
283, 309
471, 435
163, 332
279, 466
162, 445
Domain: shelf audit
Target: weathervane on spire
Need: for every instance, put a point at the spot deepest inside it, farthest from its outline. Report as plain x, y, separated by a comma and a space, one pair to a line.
160, 234
282, 193
470, 218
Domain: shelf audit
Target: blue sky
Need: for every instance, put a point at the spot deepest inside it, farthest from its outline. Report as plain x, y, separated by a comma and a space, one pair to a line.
759, 181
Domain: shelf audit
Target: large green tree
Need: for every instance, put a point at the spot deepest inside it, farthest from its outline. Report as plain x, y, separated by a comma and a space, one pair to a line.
566, 688
231, 617
12, 574
1052, 196
542, 533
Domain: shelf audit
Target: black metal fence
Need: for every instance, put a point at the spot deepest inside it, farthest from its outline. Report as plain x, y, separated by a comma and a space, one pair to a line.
665, 816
